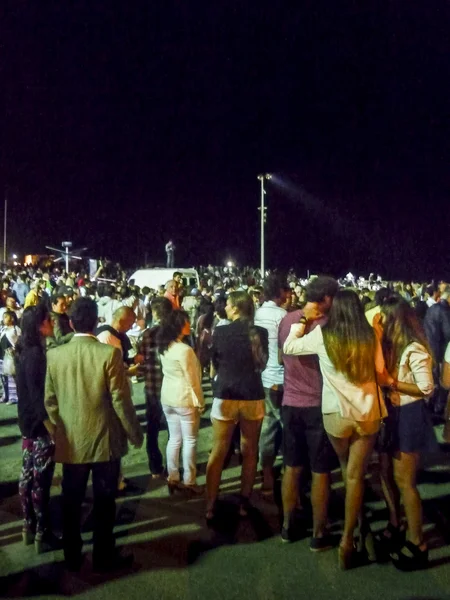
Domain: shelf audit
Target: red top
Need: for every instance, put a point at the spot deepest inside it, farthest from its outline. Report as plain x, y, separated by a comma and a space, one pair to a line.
174, 300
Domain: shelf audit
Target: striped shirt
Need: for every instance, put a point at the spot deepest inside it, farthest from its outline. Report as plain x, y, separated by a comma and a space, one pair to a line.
269, 316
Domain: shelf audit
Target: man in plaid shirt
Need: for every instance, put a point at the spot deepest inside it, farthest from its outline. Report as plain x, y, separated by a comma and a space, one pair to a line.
161, 307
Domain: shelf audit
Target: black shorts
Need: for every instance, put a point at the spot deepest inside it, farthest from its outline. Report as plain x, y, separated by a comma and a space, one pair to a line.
305, 441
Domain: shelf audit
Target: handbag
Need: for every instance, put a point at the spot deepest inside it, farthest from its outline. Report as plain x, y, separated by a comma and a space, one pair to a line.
9, 366
385, 440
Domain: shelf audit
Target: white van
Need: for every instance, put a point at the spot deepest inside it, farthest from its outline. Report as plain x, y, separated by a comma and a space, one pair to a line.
153, 278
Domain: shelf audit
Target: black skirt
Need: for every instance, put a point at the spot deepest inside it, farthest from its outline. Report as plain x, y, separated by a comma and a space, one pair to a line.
410, 428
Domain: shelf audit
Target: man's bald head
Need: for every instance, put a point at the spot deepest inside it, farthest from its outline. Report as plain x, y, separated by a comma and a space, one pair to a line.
123, 319
172, 287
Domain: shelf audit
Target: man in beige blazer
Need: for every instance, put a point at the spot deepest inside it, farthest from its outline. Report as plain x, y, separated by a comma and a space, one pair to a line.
87, 397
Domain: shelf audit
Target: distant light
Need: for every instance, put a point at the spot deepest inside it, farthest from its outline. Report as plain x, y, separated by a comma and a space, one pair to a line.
14, 256
230, 263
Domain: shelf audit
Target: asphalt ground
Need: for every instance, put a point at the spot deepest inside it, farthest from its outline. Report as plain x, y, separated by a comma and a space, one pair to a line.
178, 556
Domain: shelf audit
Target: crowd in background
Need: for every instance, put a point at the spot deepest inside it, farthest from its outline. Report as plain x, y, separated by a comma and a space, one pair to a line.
322, 370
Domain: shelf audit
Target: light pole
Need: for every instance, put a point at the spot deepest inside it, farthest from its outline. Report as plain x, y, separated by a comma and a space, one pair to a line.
67, 246
263, 209
5, 220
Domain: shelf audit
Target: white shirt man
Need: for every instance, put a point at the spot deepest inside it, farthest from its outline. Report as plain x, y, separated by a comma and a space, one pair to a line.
269, 316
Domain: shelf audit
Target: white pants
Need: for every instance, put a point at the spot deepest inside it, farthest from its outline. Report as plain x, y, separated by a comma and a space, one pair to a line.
183, 426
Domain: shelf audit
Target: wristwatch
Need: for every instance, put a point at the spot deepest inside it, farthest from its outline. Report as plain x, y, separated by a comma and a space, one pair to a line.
303, 320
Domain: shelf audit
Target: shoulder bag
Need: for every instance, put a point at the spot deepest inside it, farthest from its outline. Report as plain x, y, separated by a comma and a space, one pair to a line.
385, 441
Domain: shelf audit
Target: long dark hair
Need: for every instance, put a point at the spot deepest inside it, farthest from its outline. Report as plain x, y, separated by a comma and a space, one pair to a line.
349, 339
32, 319
401, 327
170, 329
246, 309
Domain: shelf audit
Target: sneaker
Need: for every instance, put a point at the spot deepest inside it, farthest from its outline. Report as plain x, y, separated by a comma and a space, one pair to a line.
287, 535
320, 544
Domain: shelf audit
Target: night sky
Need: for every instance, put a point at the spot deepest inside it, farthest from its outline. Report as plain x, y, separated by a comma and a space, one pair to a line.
127, 127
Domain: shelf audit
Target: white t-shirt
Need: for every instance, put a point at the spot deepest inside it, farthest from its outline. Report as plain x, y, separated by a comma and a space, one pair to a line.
269, 316
106, 337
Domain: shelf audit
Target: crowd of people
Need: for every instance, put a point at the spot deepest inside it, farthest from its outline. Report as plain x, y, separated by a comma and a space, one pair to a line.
323, 371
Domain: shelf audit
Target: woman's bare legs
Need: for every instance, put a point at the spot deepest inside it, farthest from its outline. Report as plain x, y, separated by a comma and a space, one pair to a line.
222, 434
354, 454
250, 431
390, 489
405, 471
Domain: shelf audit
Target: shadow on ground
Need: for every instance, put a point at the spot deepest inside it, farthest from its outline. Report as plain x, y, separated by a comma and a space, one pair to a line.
8, 440
167, 549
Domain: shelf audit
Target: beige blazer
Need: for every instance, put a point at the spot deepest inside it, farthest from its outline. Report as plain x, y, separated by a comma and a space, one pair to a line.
87, 397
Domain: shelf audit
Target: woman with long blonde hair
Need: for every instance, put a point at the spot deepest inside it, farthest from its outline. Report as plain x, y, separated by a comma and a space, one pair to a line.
408, 360
350, 359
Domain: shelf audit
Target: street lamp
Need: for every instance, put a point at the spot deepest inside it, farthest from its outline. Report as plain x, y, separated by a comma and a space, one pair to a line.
263, 209
67, 246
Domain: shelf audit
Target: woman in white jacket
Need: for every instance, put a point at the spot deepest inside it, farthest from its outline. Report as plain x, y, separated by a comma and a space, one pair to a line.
350, 359
182, 400
408, 360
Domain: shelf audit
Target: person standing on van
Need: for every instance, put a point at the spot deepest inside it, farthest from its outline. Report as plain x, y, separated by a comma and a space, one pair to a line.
170, 251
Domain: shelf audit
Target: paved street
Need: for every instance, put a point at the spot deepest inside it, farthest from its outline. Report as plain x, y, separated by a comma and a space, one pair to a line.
177, 556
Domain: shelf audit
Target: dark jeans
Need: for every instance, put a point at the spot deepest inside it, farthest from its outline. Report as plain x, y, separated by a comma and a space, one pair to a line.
105, 478
154, 414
